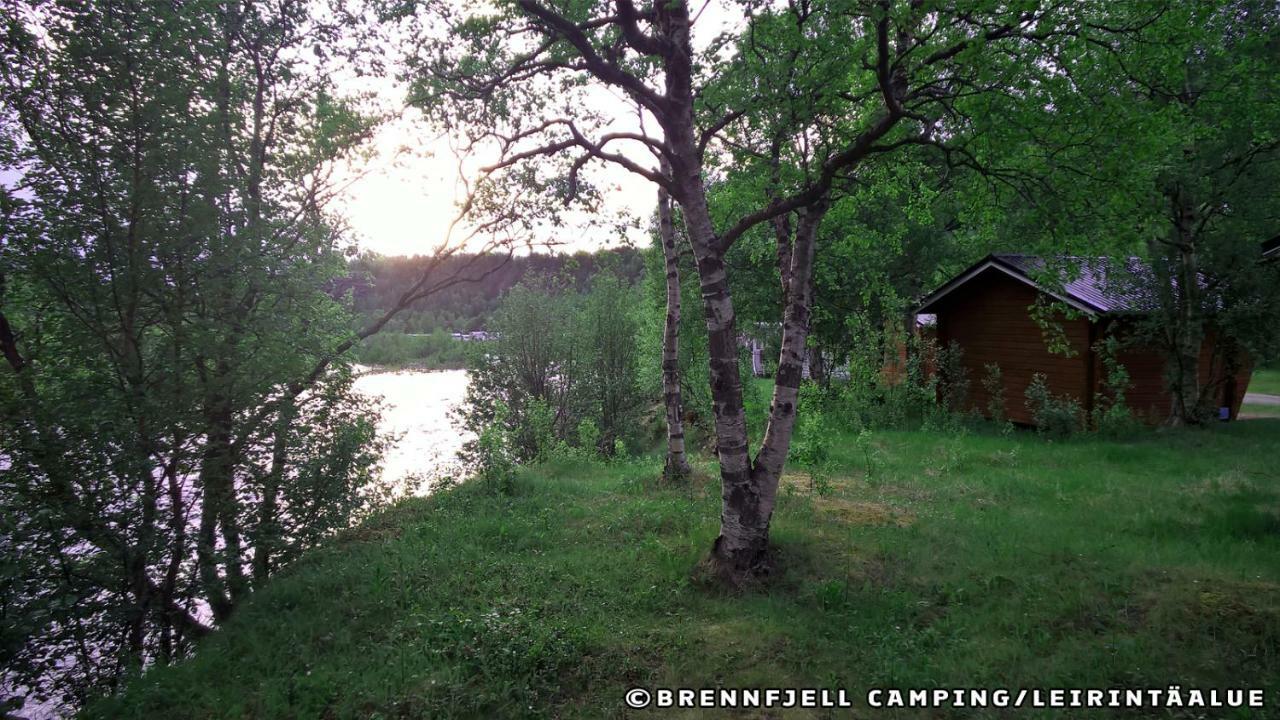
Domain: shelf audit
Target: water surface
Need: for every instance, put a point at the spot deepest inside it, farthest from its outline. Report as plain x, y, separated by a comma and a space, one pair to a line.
416, 407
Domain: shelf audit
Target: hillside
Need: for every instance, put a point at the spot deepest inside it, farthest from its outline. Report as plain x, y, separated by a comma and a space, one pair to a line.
975, 560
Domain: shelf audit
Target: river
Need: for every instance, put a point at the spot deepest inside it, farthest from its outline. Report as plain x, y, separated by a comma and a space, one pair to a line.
416, 409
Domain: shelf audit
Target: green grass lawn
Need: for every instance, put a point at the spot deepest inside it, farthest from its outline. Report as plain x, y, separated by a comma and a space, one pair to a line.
1254, 410
1265, 381
976, 560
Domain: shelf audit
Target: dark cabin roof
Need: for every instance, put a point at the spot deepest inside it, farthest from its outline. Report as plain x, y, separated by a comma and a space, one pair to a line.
1093, 285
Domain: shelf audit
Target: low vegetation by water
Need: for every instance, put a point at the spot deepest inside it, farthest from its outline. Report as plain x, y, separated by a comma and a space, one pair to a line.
437, 350
922, 560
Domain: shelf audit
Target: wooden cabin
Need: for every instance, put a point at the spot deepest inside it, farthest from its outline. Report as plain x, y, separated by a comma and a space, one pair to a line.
986, 311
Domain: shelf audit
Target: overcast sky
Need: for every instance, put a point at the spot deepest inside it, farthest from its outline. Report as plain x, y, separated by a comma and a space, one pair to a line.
401, 200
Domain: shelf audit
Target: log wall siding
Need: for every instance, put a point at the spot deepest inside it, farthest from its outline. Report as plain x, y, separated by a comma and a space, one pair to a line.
989, 319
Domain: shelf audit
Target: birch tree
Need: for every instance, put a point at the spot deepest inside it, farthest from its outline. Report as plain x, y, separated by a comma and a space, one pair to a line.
1175, 156
1208, 95
676, 468
552, 85
177, 415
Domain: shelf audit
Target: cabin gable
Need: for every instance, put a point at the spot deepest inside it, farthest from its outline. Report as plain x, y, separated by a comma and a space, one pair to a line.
989, 319
985, 311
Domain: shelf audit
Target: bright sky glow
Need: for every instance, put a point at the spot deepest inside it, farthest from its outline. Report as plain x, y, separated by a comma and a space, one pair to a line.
403, 197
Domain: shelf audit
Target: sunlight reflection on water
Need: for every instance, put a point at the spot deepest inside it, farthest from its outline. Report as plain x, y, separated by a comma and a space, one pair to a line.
416, 407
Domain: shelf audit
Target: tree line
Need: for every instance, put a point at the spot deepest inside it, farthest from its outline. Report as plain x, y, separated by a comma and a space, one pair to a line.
376, 283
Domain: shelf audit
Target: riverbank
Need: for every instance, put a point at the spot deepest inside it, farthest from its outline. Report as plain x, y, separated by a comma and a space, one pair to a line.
967, 561
390, 351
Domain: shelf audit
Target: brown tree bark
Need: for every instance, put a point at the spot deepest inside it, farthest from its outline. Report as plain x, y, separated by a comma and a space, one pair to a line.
1178, 277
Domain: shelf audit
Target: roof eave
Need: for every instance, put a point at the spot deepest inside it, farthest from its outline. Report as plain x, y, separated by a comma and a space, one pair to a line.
928, 305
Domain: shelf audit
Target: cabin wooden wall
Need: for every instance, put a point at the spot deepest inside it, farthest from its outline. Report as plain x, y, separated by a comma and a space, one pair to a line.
1149, 395
989, 319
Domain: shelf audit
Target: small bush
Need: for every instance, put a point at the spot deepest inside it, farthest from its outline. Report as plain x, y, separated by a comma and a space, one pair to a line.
953, 378
589, 435
536, 436
493, 460
993, 383
869, 399
1055, 416
811, 444
1111, 415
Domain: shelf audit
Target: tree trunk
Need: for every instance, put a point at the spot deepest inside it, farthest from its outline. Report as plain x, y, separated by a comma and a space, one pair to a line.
269, 531
1184, 320
749, 489
677, 465
772, 457
216, 492
739, 551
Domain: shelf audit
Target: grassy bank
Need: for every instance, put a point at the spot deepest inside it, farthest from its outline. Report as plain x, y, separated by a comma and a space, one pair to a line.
960, 561
427, 351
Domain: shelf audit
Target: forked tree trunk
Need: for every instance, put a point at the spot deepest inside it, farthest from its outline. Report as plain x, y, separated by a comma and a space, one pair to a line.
744, 515
677, 465
769, 462
749, 488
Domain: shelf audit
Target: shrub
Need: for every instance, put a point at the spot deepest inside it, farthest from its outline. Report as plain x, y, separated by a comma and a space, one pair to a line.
562, 366
493, 462
1055, 416
993, 384
811, 444
1111, 415
588, 435
953, 378
869, 399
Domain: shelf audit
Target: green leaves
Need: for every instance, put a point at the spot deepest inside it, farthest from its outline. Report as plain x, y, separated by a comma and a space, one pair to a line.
174, 165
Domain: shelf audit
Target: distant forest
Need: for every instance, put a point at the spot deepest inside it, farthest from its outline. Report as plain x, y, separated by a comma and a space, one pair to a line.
375, 281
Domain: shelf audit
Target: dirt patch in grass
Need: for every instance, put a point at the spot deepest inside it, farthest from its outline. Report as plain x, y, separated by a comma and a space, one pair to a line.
1231, 481
861, 512
1241, 604
1246, 611
801, 482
